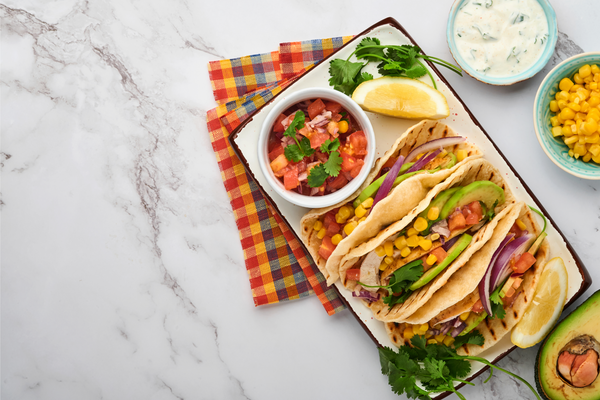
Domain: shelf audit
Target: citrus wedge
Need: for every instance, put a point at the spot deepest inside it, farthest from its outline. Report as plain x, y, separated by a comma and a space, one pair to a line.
402, 98
546, 307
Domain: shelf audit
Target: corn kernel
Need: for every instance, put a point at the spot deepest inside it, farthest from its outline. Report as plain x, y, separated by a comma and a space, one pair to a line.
346, 212
408, 333
343, 126
465, 315
360, 211
587, 157
590, 125
405, 252
577, 78
434, 236
318, 225
585, 71
557, 131
594, 101
350, 226
400, 242
416, 329
368, 203
412, 241
363, 219
554, 121
336, 239
411, 232
461, 154
425, 244
389, 248
424, 327
380, 251
553, 106
432, 341
339, 219
421, 224
567, 113
574, 106
594, 68
562, 95
565, 84
321, 233
448, 340
429, 335
383, 266
388, 260
595, 150
521, 225
433, 213
440, 338
596, 159
579, 149
572, 139
431, 259
595, 138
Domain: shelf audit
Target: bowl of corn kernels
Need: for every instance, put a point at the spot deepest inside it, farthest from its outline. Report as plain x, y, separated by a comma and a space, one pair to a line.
566, 115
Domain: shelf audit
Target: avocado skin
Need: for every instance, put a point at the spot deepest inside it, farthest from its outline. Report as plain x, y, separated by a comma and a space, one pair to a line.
485, 191
573, 320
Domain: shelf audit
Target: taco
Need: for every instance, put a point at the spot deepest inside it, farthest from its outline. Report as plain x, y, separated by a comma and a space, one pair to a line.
489, 294
422, 157
406, 263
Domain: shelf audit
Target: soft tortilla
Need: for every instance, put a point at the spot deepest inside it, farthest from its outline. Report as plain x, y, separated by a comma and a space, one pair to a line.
410, 192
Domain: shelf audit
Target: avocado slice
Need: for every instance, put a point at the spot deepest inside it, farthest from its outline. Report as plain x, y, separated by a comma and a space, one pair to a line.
370, 190
438, 202
453, 253
473, 321
585, 320
484, 191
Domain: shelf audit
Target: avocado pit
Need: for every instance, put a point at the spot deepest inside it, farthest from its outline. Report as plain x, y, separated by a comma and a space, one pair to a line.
578, 363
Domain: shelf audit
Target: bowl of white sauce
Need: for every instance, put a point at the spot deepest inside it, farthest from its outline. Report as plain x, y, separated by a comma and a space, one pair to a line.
502, 42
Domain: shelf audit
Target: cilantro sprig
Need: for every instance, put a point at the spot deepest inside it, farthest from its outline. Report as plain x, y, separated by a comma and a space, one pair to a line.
435, 366
296, 152
399, 283
404, 60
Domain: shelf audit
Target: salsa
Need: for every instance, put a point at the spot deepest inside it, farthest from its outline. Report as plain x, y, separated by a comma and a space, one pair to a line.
316, 147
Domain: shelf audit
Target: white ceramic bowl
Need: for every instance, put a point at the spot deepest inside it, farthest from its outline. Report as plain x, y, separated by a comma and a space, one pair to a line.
283, 102
504, 80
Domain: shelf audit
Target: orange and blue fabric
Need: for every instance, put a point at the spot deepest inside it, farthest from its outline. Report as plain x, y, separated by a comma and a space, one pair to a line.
279, 269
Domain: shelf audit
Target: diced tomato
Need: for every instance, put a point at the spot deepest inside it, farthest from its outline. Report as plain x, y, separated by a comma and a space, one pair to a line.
290, 179
339, 182
523, 263
357, 168
439, 253
476, 209
329, 218
358, 141
472, 219
315, 108
326, 248
279, 163
516, 230
334, 107
477, 307
301, 166
317, 139
390, 162
278, 126
353, 274
276, 152
456, 221
348, 161
333, 228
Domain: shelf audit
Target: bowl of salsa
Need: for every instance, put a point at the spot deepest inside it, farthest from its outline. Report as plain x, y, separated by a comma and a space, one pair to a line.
316, 147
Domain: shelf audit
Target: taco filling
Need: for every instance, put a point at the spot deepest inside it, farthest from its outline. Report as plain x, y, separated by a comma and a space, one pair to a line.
415, 256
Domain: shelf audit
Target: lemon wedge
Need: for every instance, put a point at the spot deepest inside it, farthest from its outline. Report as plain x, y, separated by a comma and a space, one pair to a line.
546, 307
402, 98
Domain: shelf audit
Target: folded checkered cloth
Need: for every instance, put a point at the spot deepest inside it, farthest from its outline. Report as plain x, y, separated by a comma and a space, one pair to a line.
278, 267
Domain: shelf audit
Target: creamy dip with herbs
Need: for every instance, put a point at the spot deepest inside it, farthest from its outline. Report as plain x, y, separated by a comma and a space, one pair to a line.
501, 38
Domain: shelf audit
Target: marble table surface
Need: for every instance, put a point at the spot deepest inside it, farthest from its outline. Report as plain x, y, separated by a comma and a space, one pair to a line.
122, 272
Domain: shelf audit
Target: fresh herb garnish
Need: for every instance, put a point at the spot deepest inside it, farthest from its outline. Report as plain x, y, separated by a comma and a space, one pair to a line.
330, 145
491, 213
474, 337
435, 366
400, 281
321, 172
497, 303
541, 215
394, 61
296, 152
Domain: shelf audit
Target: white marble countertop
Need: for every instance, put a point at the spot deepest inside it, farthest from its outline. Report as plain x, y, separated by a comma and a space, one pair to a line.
122, 272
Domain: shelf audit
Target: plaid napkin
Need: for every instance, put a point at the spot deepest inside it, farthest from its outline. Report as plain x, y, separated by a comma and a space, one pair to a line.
278, 267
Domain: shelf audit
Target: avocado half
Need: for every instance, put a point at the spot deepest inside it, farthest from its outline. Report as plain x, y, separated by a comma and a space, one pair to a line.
584, 320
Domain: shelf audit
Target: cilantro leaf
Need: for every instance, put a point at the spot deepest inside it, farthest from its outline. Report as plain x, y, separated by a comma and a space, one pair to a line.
293, 153
344, 75
497, 304
330, 146
333, 165
317, 176
305, 147
460, 368
367, 53
473, 337
297, 123
365, 76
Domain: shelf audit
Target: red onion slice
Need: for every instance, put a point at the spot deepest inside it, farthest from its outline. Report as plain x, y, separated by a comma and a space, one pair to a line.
434, 144
458, 329
446, 246
502, 269
388, 182
484, 284
363, 294
423, 161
